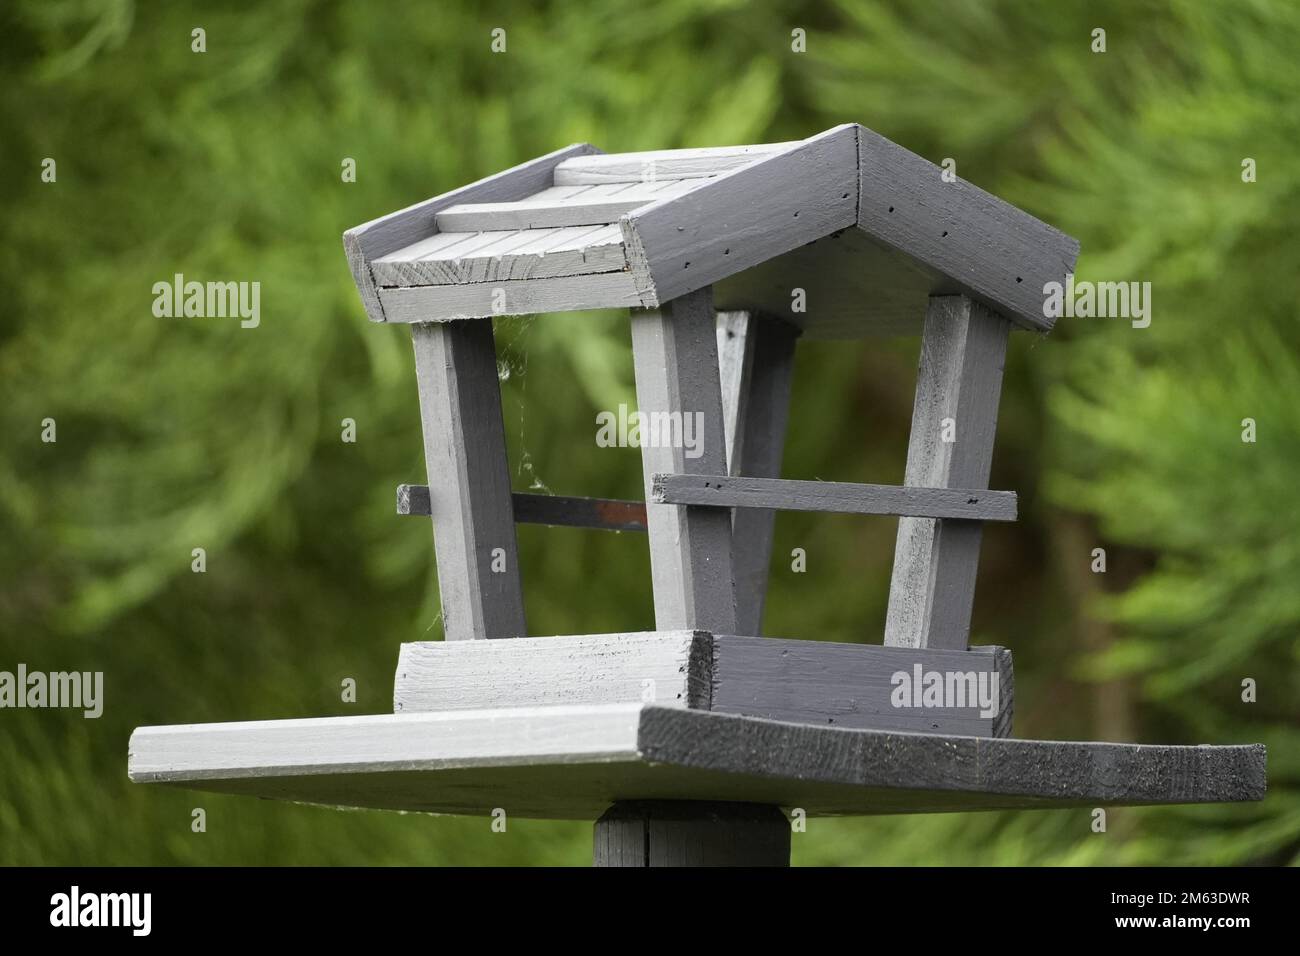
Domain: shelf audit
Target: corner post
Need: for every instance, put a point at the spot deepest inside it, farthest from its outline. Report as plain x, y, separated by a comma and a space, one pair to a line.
469, 480
954, 419
679, 398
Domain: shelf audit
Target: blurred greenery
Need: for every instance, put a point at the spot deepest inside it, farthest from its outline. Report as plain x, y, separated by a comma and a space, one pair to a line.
183, 433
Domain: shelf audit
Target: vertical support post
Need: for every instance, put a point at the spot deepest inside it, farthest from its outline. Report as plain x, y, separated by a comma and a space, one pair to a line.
756, 362
469, 480
691, 833
680, 401
954, 419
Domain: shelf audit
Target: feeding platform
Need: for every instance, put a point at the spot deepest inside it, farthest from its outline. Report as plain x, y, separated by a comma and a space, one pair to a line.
688, 741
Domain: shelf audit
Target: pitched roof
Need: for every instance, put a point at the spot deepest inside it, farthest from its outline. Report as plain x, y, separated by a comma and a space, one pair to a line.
865, 228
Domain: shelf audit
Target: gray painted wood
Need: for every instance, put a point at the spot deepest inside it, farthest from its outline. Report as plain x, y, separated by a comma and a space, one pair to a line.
445, 303
667, 667
465, 456
574, 762
932, 589
735, 355
818, 682
653, 165
835, 496
502, 255
756, 362
863, 270
990, 250
853, 685
685, 833
676, 361
745, 217
600, 514
534, 214
406, 226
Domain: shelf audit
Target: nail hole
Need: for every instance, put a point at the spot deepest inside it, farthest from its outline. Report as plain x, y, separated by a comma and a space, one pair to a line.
796, 215
845, 196
726, 252
945, 232
1018, 279
688, 265
891, 208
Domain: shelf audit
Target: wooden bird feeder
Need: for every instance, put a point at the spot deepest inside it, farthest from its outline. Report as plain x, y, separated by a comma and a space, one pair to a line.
688, 741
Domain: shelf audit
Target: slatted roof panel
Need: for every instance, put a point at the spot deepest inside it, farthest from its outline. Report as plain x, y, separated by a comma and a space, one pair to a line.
848, 225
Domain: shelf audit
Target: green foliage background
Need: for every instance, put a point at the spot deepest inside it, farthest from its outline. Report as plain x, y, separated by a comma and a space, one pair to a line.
174, 434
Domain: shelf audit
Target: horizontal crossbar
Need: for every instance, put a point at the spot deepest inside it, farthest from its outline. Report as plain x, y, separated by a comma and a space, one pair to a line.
835, 496
604, 514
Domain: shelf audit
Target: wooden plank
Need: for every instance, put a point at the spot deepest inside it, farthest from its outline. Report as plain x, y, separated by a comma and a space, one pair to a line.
667, 667
676, 361
574, 762
990, 249
653, 165
601, 514
723, 491
530, 214
755, 442
864, 686
746, 216
465, 456
447, 303
959, 381
402, 228
817, 682
503, 256
648, 833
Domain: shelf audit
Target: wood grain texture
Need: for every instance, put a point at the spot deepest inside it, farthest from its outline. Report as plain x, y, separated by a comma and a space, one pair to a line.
600, 514
761, 363
684, 833
402, 228
465, 456
819, 682
783, 494
853, 685
653, 165
676, 361
667, 667
574, 762
445, 303
745, 217
997, 253
457, 258
959, 379
535, 214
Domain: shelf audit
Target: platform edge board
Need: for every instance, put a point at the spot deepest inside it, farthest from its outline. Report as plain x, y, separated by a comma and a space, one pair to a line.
383, 743
629, 668
1059, 773
391, 232
651, 752
814, 682
784, 494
